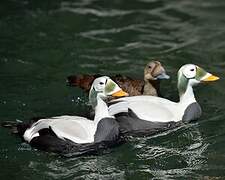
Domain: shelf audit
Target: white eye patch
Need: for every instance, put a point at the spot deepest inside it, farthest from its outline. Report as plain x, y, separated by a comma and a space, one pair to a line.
99, 83
189, 71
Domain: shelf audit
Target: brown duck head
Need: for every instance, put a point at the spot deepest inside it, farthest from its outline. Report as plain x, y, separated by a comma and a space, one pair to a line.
154, 71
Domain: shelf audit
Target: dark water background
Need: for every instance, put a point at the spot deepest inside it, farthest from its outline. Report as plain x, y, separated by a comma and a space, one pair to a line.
42, 42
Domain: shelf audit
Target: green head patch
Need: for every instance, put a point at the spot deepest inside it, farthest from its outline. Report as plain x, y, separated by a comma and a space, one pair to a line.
200, 73
110, 87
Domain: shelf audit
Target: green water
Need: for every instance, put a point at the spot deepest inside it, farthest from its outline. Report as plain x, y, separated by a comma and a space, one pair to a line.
42, 42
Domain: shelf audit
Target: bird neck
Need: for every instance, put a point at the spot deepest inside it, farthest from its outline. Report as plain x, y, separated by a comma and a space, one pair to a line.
151, 87
92, 98
187, 96
101, 110
185, 89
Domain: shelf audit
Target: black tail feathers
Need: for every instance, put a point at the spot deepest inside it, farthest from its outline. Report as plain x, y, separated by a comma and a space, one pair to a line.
9, 124
19, 127
16, 127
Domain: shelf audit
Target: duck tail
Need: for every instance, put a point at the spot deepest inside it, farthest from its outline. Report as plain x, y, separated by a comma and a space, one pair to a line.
9, 124
15, 127
19, 127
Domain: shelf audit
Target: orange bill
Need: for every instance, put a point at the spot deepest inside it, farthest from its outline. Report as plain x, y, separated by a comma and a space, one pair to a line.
211, 78
120, 93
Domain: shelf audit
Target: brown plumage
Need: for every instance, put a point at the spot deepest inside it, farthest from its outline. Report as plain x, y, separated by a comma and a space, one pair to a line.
153, 72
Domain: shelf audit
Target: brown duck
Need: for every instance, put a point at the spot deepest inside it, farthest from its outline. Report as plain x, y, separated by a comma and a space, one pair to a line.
153, 73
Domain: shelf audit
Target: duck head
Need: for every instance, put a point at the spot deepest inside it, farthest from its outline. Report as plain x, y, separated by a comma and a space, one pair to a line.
190, 75
154, 71
104, 87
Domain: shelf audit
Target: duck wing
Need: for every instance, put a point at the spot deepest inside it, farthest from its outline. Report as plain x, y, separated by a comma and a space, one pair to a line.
77, 129
148, 108
74, 128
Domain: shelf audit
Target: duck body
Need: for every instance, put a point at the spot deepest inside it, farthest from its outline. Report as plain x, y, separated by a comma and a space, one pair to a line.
74, 134
142, 113
71, 134
153, 73
155, 109
74, 128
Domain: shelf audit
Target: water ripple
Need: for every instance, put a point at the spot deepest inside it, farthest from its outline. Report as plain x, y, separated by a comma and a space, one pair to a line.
98, 13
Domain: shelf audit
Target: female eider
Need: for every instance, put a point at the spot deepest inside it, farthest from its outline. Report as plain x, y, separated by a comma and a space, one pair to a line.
148, 113
74, 134
153, 73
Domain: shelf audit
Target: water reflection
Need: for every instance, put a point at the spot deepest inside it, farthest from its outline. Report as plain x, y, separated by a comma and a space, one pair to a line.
172, 154
88, 168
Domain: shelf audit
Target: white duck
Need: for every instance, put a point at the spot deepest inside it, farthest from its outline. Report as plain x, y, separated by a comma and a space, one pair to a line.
140, 110
65, 134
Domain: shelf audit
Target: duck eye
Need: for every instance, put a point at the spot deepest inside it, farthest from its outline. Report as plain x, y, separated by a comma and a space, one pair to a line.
101, 83
192, 69
149, 67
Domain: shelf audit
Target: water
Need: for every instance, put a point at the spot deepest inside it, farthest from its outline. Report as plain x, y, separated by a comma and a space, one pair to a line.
42, 42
